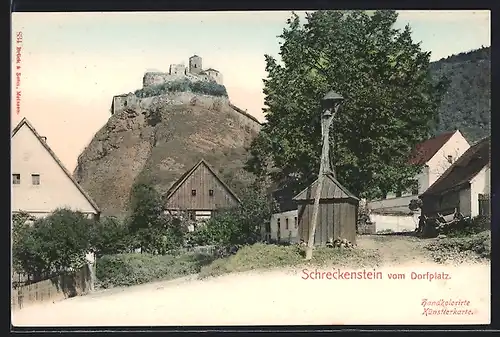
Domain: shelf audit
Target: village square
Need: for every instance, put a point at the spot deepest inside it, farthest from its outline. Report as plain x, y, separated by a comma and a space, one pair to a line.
368, 173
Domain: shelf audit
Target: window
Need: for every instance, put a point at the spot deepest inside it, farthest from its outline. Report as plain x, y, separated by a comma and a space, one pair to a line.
35, 179
295, 222
398, 194
286, 223
414, 191
16, 178
279, 224
450, 159
193, 193
211, 193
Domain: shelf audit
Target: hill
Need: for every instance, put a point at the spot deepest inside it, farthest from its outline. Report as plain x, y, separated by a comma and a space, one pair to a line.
157, 139
467, 104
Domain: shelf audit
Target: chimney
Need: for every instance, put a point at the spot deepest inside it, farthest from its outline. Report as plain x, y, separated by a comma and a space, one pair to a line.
44, 139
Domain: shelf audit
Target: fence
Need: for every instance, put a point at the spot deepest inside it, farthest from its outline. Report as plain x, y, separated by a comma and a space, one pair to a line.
484, 204
54, 289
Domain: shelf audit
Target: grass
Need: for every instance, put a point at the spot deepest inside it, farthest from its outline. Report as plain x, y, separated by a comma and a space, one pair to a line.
133, 268
265, 256
456, 248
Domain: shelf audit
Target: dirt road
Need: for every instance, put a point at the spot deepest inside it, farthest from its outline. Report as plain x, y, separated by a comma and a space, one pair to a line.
283, 297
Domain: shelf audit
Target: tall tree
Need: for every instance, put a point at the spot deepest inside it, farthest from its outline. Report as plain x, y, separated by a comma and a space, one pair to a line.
390, 101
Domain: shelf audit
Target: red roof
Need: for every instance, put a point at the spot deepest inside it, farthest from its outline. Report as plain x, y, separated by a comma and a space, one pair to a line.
426, 150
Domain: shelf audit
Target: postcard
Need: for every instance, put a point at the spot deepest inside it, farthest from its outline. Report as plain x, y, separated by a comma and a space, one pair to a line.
250, 168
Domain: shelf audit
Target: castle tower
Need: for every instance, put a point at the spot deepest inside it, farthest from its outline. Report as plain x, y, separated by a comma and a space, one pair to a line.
195, 66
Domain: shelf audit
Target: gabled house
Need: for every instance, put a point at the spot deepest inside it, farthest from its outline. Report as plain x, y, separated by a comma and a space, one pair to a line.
435, 155
199, 192
464, 187
40, 182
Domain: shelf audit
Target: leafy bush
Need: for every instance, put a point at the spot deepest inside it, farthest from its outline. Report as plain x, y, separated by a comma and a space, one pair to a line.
131, 269
479, 244
266, 256
111, 236
183, 85
154, 231
237, 226
52, 244
467, 226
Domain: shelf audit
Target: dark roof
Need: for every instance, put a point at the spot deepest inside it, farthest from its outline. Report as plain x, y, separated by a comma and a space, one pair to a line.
211, 69
464, 169
194, 56
49, 150
188, 173
424, 151
331, 189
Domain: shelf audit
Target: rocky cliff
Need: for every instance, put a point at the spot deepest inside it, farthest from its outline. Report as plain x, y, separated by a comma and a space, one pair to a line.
158, 139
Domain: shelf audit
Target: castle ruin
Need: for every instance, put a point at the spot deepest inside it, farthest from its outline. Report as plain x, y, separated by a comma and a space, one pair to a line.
193, 72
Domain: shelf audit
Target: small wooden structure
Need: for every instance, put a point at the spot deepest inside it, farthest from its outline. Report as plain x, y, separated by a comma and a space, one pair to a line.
338, 212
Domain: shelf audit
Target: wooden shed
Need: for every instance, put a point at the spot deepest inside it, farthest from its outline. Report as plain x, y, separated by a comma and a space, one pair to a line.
337, 216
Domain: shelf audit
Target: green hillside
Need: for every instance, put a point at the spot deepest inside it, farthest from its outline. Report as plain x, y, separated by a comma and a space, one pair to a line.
467, 103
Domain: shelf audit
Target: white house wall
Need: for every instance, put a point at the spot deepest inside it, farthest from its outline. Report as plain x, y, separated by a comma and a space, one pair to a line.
433, 169
56, 189
285, 234
465, 201
394, 223
455, 147
480, 184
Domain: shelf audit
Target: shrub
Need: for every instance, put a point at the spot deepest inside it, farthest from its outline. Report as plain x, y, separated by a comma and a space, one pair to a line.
54, 243
479, 244
182, 85
131, 269
240, 225
467, 226
154, 231
111, 236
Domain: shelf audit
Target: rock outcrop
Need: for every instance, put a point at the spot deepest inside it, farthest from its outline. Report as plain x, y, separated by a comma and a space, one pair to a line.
160, 138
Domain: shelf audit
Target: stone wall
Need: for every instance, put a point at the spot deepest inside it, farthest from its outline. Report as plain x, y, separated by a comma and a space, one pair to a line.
244, 120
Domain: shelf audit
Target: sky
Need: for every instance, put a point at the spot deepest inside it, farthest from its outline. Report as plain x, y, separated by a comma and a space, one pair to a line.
72, 64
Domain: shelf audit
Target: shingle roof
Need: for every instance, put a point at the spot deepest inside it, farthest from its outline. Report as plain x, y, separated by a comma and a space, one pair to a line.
331, 189
24, 121
186, 175
464, 169
424, 151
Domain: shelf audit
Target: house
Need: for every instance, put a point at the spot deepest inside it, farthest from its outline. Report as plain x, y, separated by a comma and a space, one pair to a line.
337, 216
284, 227
435, 155
464, 187
40, 182
199, 192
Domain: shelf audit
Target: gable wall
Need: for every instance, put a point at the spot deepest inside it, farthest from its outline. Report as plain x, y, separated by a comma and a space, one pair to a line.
56, 189
201, 180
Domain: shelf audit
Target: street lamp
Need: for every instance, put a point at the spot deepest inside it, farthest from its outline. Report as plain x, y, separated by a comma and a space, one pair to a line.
331, 101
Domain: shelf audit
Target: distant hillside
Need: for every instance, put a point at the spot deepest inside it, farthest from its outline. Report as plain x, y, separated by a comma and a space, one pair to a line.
467, 103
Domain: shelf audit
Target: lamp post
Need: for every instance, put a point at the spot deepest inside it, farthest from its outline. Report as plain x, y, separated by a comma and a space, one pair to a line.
330, 104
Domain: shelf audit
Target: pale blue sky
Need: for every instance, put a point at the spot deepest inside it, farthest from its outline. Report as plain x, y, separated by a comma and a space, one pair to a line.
73, 63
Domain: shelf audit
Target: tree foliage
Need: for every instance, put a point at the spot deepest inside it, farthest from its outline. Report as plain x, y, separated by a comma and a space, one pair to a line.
52, 244
239, 225
111, 236
200, 87
467, 103
154, 231
390, 102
